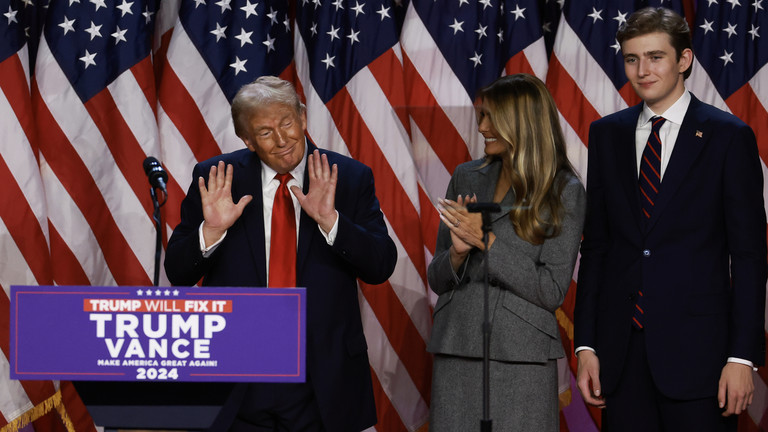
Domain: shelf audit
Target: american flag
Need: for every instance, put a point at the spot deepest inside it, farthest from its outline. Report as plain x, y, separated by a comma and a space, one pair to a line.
390, 83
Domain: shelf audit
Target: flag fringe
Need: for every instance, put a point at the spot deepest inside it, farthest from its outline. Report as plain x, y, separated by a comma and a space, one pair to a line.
564, 322
38, 411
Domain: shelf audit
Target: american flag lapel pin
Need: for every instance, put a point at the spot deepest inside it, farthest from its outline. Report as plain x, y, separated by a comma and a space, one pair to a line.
699, 134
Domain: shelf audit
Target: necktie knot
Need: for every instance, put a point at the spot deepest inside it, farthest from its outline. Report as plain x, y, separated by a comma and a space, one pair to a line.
283, 178
656, 123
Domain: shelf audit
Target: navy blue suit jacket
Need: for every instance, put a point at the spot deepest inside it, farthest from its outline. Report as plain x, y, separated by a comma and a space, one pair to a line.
337, 360
700, 263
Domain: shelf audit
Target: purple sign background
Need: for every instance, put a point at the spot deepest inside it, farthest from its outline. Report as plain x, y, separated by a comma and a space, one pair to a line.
116, 333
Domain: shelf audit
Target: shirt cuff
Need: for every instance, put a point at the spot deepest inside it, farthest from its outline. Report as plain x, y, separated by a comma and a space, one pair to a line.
742, 361
583, 348
330, 237
207, 251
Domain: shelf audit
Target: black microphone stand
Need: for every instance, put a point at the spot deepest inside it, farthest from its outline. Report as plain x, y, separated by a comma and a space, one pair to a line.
486, 424
158, 231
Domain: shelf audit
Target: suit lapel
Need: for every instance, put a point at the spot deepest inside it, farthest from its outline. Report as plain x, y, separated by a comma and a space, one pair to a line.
626, 160
248, 172
307, 226
690, 142
485, 185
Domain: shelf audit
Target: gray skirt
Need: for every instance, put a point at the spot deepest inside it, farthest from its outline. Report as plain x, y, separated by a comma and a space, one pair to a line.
523, 396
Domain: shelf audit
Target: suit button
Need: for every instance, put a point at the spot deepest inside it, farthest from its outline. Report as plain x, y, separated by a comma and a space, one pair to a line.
646, 253
493, 282
632, 297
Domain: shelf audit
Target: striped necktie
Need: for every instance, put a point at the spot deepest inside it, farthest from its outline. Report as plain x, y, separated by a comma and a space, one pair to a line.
650, 184
650, 168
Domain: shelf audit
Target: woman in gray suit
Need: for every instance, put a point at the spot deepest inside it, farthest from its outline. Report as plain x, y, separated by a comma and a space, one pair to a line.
532, 252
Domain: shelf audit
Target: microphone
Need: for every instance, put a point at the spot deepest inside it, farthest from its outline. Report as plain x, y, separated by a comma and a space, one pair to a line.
482, 207
156, 173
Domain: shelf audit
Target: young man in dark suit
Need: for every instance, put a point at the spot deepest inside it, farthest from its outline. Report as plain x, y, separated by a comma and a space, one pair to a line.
335, 233
669, 318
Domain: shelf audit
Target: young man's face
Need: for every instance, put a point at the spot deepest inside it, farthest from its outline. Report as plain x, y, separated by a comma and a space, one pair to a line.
654, 70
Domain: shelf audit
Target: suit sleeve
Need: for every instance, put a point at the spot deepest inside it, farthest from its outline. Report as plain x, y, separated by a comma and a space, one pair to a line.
440, 272
362, 240
593, 248
543, 281
746, 232
184, 263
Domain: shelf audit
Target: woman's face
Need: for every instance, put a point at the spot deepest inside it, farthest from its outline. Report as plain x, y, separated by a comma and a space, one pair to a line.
495, 145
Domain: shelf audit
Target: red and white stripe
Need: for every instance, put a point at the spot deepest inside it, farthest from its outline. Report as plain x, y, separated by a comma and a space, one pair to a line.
359, 122
91, 164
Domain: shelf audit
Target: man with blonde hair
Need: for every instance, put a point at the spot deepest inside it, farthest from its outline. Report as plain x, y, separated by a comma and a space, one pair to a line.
284, 213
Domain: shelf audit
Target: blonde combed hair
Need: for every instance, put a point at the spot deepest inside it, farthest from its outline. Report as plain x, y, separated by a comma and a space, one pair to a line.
524, 114
263, 91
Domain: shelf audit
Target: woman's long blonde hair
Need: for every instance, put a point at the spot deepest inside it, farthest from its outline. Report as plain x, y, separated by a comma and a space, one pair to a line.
524, 114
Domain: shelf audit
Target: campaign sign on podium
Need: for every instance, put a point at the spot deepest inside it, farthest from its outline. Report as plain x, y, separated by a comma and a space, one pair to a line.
158, 334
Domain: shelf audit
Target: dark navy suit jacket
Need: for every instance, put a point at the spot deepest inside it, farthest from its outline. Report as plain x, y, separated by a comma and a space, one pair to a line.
337, 360
700, 263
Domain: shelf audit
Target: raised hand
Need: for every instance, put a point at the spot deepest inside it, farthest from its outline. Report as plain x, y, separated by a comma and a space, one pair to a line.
219, 210
320, 201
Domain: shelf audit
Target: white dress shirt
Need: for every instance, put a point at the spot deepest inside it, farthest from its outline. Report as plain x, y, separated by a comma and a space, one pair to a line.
268, 191
668, 132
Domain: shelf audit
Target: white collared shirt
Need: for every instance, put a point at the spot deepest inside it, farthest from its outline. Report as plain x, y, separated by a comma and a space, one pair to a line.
269, 185
268, 192
668, 132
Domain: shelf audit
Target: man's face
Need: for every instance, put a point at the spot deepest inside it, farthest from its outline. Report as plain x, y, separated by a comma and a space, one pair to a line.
654, 71
276, 133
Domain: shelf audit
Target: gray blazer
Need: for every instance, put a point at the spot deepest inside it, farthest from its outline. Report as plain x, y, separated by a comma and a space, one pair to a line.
527, 282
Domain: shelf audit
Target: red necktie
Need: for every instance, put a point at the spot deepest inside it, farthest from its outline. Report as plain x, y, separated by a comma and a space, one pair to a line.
282, 244
650, 183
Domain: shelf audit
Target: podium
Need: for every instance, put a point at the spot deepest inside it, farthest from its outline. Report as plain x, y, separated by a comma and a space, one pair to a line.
167, 358
168, 406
